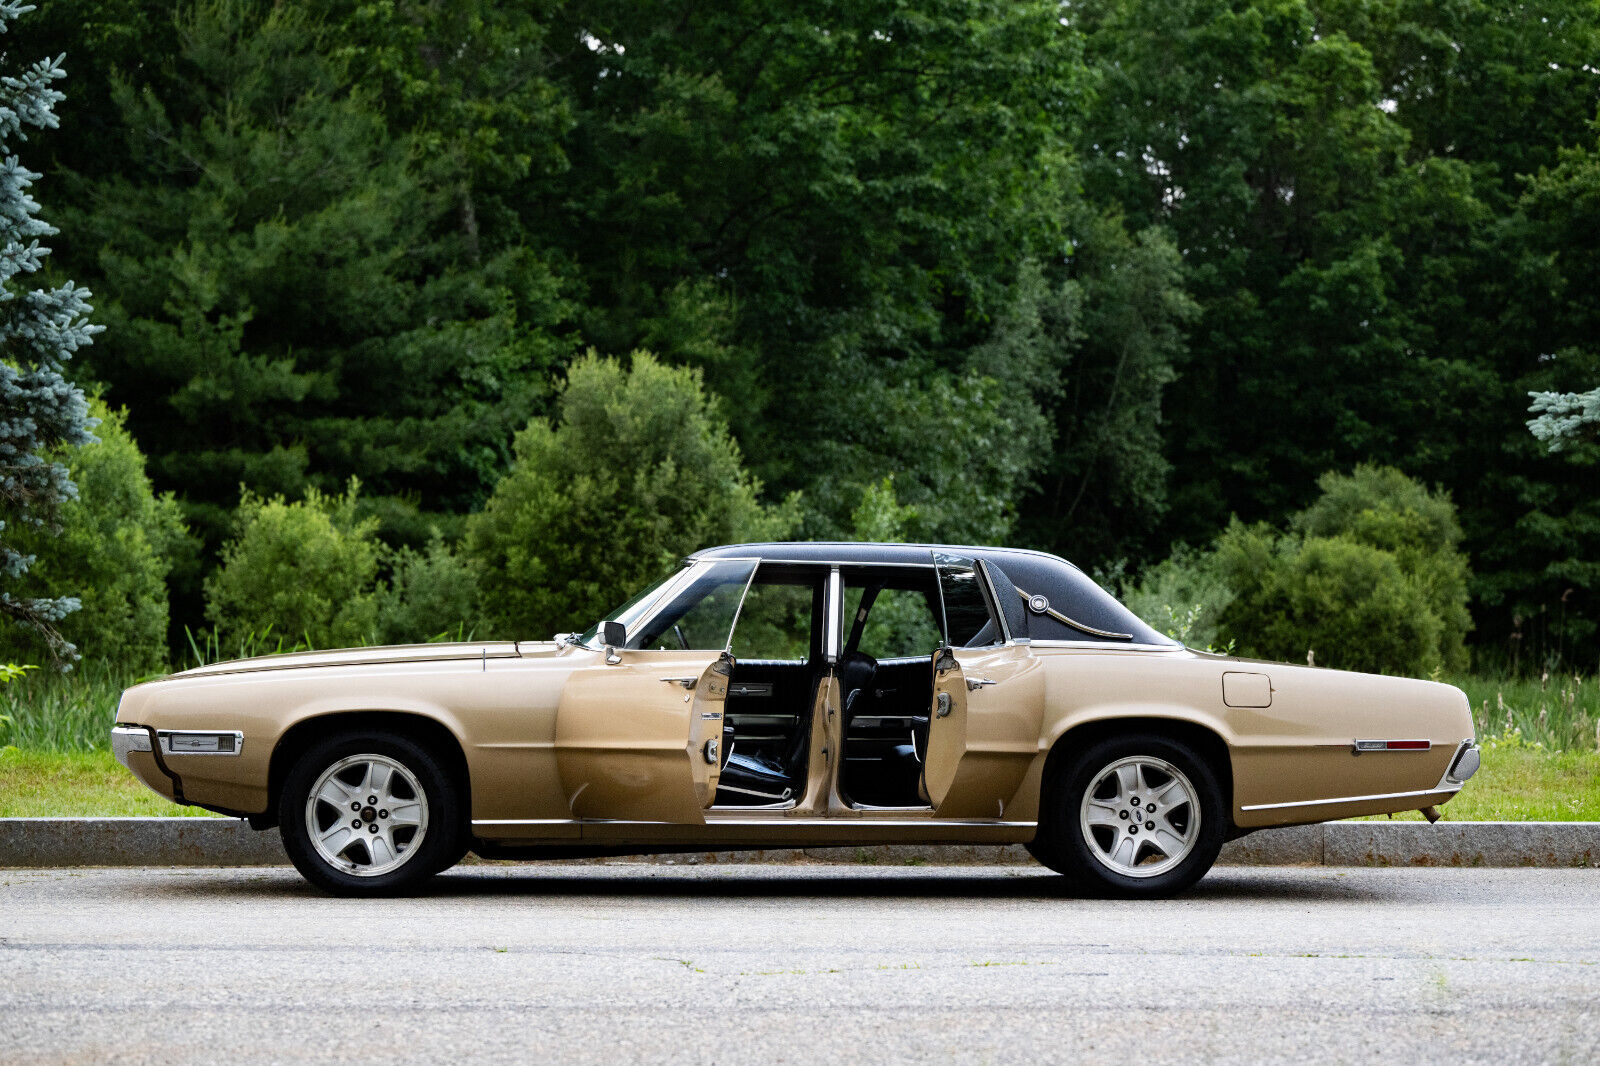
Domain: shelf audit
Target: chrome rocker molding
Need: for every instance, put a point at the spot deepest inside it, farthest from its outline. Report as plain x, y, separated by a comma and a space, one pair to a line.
834, 822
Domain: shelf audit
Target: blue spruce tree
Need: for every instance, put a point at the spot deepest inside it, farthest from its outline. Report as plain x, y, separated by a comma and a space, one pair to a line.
41, 412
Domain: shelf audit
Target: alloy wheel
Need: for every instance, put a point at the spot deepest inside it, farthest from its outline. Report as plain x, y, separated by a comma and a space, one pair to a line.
366, 815
1140, 816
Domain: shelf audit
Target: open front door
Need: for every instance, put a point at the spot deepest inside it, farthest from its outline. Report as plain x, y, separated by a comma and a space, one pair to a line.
639, 733
705, 728
947, 727
988, 700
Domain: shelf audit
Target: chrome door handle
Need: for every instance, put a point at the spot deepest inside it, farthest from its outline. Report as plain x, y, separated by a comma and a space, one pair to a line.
687, 682
975, 683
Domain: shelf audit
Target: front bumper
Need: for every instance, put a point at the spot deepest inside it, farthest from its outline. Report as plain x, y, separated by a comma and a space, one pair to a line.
126, 739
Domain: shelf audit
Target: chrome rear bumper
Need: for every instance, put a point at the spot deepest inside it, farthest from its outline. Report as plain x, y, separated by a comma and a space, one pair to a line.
1463, 766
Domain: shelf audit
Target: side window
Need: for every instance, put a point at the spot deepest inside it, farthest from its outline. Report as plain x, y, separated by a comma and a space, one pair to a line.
700, 617
900, 624
775, 623
966, 608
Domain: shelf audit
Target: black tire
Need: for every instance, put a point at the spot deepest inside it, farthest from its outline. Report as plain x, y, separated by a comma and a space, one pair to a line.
442, 838
1064, 845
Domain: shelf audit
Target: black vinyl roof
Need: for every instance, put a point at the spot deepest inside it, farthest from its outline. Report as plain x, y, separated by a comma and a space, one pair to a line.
1069, 590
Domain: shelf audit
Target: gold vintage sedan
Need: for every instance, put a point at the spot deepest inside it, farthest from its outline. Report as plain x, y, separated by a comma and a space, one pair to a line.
799, 695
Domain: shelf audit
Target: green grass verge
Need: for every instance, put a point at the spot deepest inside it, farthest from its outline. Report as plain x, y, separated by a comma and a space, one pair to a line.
48, 784
1524, 784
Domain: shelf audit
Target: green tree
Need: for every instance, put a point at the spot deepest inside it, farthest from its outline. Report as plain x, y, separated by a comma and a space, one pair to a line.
117, 542
304, 571
430, 594
829, 209
1118, 323
299, 299
40, 330
636, 471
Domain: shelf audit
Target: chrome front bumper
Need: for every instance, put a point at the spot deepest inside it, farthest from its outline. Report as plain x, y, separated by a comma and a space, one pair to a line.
127, 738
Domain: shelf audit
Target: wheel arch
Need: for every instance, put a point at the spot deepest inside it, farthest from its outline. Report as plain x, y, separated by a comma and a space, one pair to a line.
428, 731
1209, 743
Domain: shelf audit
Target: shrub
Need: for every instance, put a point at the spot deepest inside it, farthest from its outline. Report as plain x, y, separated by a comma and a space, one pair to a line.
1183, 596
1369, 577
637, 471
431, 594
1382, 507
1348, 604
306, 571
115, 549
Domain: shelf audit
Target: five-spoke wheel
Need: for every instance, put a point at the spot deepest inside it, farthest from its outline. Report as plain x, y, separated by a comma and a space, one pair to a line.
370, 814
1136, 815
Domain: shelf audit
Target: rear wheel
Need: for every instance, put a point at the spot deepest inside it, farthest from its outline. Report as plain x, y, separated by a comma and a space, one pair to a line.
1140, 815
370, 814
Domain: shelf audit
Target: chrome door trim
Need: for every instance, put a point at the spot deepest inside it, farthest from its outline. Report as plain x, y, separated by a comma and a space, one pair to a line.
833, 617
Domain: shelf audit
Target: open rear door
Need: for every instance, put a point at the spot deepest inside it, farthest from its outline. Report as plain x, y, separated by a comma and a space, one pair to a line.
988, 698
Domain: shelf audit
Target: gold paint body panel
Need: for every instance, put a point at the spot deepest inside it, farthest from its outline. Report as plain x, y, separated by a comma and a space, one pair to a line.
563, 747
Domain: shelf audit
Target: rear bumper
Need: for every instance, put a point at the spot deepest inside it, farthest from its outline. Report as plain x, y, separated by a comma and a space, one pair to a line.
1463, 765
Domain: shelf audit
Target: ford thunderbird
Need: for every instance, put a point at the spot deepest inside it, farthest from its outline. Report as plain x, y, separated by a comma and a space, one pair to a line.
798, 695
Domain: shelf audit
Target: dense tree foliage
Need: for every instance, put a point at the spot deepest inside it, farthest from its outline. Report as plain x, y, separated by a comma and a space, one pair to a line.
41, 329
636, 472
1096, 278
1368, 577
115, 543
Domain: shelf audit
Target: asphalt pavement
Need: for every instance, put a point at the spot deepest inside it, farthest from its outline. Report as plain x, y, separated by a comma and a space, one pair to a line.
799, 964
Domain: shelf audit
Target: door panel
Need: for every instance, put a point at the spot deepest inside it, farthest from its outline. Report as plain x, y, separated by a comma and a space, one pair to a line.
705, 728
997, 702
947, 727
625, 734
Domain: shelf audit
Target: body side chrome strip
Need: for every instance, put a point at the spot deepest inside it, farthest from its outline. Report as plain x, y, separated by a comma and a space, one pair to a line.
838, 822
1347, 799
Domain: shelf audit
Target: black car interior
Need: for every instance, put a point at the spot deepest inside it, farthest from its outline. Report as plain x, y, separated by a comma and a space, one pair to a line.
885, 673
766, 723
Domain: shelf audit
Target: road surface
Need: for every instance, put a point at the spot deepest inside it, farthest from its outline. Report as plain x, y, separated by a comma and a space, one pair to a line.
797, 964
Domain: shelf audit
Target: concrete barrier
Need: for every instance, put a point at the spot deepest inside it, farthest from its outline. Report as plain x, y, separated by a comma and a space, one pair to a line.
50, 842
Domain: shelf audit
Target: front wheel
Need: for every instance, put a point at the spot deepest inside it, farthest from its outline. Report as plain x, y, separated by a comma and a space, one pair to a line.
370, 814
1134, 816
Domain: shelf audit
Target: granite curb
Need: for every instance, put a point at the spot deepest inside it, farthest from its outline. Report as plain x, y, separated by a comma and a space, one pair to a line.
63, 842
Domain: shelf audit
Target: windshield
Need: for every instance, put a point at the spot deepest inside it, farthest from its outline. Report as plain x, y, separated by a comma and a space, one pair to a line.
630, 613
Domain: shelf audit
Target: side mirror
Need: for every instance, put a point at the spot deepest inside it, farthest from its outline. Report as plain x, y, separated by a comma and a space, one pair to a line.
613, 634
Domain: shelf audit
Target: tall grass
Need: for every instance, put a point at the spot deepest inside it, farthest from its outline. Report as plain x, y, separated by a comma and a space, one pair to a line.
49, 711
1558, 712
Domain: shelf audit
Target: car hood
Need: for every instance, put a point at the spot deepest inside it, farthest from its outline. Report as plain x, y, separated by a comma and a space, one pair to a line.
399, 653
